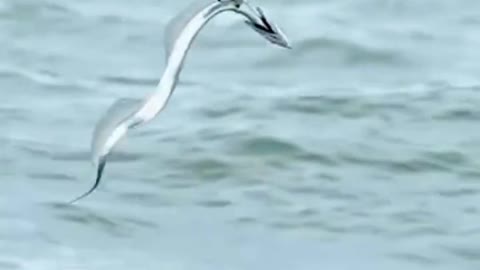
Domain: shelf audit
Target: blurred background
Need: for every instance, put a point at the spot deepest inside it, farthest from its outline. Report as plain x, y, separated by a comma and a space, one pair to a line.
357, 149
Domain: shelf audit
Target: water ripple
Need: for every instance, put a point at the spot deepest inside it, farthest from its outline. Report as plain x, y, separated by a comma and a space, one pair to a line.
35, 10
7, 265
415, 258
410, 165
459, 193
52, 176
144, 199
265, 197
130, 81
459, 114
262, 146
468, 253
214, 203
352, 53
87, 218
205, 168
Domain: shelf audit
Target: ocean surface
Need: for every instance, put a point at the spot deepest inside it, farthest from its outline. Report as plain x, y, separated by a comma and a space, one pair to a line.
357, 149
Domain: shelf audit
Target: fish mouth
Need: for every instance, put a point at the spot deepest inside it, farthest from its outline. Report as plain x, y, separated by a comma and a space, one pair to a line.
268, 30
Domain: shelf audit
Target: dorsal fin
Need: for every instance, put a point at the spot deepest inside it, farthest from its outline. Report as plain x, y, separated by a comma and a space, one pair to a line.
176, 24
120, 111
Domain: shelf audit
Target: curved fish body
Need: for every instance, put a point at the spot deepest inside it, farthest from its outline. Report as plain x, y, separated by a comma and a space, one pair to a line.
126, 113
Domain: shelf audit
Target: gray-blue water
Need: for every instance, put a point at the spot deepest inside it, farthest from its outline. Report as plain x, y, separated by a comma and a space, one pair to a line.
358, 149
